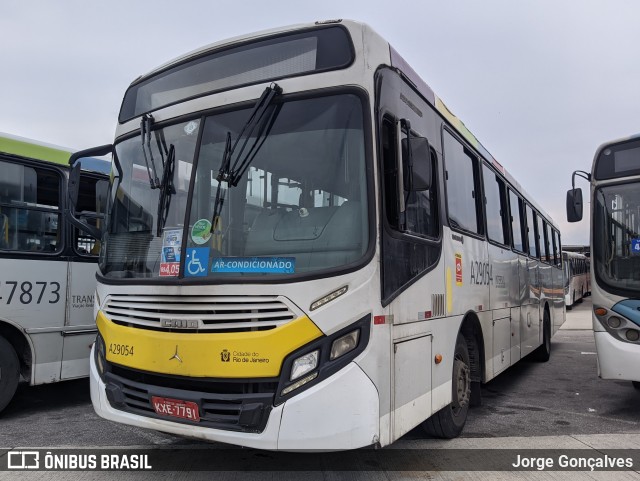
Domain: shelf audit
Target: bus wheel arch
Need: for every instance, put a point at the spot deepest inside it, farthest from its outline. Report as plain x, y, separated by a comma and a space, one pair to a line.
468, 372
21, 345
12, 355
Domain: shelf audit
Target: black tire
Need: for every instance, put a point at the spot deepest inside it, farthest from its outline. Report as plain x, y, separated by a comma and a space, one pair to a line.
543, 353
9, 372
636, 384
449, 421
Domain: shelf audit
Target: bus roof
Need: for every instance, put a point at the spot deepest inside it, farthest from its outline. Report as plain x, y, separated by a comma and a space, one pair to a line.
12, 144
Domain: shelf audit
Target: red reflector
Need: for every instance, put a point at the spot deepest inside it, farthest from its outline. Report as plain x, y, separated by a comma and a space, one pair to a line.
427, 315
379, 320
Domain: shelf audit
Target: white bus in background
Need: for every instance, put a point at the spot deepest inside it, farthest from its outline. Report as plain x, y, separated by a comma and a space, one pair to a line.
615, 255
47, 268
576, 277
318, 254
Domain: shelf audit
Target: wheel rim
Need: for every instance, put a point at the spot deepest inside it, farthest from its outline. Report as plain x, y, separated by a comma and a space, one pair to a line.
462, 378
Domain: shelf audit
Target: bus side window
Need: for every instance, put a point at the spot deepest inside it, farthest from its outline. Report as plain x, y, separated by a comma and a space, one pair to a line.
421, 208
517, 224
531, 231
548, 241
496, 207
557, 247
540, 237
463, 186
29, 208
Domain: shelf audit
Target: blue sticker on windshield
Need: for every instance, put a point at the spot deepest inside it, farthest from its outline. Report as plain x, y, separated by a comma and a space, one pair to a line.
635, 247
258, 265
197, 262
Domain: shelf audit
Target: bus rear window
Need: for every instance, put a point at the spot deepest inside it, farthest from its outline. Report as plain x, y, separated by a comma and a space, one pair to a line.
274, 58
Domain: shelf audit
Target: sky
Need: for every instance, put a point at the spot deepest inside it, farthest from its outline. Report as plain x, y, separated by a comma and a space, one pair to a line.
541, 83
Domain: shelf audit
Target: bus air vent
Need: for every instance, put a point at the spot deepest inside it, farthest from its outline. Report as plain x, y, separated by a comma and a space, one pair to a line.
200, 313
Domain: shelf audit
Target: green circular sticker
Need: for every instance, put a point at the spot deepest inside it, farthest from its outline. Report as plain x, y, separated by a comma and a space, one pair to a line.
201, 231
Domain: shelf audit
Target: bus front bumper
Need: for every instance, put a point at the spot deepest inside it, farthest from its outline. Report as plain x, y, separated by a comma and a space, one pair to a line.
341, 412
616, 359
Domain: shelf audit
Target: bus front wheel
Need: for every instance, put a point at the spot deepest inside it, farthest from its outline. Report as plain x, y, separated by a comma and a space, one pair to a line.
636, 384
9, 372
449, 421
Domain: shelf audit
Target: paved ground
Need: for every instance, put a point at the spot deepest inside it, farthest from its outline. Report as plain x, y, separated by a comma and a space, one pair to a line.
558, 405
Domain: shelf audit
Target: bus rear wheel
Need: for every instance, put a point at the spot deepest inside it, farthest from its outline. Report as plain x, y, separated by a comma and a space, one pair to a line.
9, 372
543, 353
449, 421
636, 384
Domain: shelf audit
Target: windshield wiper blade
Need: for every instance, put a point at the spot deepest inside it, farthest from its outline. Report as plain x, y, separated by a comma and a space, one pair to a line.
231, 172
167, 189
146, 124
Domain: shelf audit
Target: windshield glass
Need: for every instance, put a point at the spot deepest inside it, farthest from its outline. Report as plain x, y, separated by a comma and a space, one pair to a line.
616, 236
300, 206
132, 247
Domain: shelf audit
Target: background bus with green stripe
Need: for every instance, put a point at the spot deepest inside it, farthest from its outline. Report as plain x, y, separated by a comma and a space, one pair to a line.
47, 267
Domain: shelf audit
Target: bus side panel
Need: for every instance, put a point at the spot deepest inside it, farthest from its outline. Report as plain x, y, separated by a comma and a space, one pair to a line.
80, 327
468, 274
412, 384
530, 317
32, 296
504, 276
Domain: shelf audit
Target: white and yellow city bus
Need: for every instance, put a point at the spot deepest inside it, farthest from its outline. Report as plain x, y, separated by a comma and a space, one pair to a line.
47, 268
615, 255
305, 250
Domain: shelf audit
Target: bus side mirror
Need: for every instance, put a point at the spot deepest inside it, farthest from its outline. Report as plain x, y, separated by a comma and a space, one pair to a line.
416, 158
97, 177
574, 205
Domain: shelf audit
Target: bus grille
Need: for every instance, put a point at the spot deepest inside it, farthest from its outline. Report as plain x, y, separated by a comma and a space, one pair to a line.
239, 406
199, 313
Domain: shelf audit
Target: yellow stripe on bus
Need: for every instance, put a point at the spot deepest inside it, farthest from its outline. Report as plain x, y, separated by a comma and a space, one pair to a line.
223, 355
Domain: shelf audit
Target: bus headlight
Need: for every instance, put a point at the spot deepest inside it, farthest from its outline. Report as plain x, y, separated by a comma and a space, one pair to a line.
632, 335
322, 358
614, 322
344, 344
304, 364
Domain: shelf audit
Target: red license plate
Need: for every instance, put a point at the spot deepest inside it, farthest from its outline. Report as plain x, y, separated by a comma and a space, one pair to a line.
175, 408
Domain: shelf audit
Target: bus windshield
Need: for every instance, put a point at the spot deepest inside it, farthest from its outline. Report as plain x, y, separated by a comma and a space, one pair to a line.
616, 236
299, 207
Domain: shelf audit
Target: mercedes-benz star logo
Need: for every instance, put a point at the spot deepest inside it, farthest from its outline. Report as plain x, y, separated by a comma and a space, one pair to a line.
175, 356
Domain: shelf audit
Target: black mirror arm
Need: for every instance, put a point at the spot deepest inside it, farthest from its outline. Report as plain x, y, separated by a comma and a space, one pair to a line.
579, 173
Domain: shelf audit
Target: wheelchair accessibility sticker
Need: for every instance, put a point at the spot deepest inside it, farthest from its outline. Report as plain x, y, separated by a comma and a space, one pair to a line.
197, 262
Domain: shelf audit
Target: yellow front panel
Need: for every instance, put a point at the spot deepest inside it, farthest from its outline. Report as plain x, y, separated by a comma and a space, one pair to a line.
226, 355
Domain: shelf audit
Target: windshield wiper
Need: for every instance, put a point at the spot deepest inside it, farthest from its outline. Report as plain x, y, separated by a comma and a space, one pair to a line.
167, 189
146, 124
260, 121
